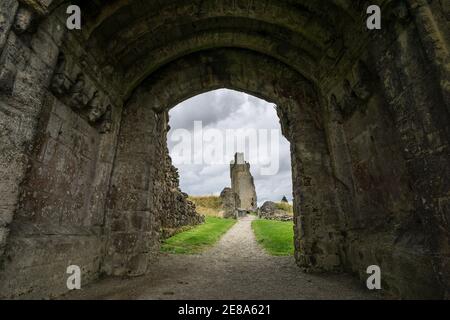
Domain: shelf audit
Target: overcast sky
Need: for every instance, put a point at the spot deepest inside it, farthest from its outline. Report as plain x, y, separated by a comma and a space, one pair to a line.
229, 110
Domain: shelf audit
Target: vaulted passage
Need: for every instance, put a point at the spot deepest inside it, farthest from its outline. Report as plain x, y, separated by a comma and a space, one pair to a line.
86, 176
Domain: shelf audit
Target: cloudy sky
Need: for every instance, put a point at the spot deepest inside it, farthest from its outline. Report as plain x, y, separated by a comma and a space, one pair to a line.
203, 150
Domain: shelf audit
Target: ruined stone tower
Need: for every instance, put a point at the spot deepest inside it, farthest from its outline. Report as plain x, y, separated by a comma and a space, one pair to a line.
242, 183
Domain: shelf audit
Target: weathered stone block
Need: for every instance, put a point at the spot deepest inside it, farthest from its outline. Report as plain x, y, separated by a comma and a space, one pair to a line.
45, 48
7, 14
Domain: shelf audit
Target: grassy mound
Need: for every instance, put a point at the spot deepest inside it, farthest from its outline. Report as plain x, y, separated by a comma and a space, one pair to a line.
209, 206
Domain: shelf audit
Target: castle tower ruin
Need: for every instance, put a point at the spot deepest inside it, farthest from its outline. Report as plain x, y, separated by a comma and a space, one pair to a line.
242, 183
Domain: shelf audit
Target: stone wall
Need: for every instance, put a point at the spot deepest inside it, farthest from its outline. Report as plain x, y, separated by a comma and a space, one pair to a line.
145, 202
419, 101
60, 123
380, 126
178, 211
54, 97
28, 56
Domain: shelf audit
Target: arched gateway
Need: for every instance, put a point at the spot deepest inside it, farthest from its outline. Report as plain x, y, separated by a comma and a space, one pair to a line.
83, 118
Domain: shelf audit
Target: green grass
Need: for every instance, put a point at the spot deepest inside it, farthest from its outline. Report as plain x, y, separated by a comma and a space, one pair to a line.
275, 236
209, 206
197, 239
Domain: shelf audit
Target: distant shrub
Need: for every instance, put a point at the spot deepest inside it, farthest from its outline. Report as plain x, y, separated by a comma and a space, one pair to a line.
285, 207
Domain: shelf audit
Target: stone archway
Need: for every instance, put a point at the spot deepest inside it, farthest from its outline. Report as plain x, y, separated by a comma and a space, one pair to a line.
143, 135
366, 114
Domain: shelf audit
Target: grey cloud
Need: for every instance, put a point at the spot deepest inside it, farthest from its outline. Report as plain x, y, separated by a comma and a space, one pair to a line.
209, 107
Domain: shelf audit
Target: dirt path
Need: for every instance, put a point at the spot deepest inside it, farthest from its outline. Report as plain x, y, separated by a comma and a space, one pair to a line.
235, 268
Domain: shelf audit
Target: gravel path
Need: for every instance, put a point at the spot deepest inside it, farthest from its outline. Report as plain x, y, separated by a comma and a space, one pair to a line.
235, 268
